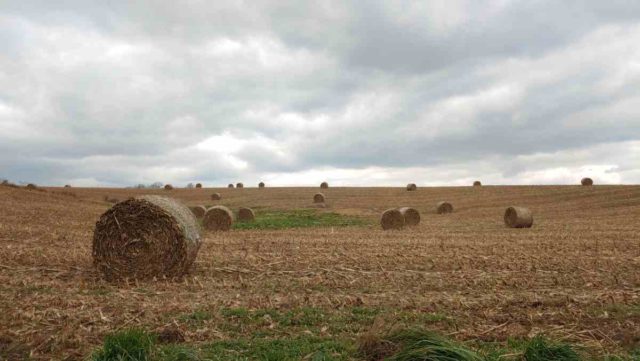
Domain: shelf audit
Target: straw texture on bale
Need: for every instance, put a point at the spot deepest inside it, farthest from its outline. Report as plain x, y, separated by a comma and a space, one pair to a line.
261, 185
324, 185
444, 207
518, 217
586, 181
198, 211
392, 219
230, 185
145, 237
477, 184
216, 196
318, 198
168, 187
239, 185
411, 216
246, 214
198, 185
411, 187
218, 218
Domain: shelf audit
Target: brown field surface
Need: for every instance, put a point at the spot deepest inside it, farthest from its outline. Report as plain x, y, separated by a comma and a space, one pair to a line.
575, 275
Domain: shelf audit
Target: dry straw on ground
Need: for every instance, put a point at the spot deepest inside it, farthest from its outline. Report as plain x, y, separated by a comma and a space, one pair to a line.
411, 187
168, 187
477, 184
261, 185
444, 207
218, 218
239, 185
198, 185
392, 219
518, 217
246, 214
230, 185
318, 198
324, 185
411, 216
216, 196
198, 211
149, 236
586, 181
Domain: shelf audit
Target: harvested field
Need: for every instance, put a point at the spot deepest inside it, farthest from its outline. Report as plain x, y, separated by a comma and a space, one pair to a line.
574, 276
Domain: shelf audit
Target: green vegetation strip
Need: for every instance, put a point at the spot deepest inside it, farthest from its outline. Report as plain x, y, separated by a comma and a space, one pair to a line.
300, 218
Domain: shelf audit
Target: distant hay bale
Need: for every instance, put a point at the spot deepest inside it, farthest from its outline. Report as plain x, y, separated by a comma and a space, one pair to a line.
392, 219
261, 185
198, 211
145, 237
67, 186
518, 217
324, 185
477, 184
216, 196
230, 185
168, 187
239, 185
218, 218
411, 187
246, 214
32, 186
318, 198
198, 185
586, 181
444, 207
411, 216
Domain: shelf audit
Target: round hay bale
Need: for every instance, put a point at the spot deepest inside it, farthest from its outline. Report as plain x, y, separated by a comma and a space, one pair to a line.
318, 198
230, 185
261, 185
246, 214
216, 196
392, 219
477, 184
518, 217
67, 186
31, 186
168, 187
444, 207
218, 218
411, 216
586, 181
198, 185
324, 185
239, 185
198, 211
149, 236
411, 187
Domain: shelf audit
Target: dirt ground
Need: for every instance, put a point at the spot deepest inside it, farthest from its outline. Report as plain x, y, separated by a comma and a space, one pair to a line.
574, 275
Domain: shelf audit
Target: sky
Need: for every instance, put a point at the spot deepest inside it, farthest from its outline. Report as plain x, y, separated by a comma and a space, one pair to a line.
356, 93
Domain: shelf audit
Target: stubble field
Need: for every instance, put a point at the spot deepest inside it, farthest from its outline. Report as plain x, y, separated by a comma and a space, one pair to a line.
574, 276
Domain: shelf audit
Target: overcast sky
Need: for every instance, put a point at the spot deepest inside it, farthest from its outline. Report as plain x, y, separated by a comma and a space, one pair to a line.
439, 92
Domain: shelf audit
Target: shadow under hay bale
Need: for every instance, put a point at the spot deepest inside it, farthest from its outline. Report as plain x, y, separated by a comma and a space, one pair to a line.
261, 185
198, 211
477, 184
518, 217
411, 216
324, 185
318, 198
586, 181
218, 218
246, 214
392, 219
168, 187
239, 185
216, 196
444, 207
145, 237
411, 187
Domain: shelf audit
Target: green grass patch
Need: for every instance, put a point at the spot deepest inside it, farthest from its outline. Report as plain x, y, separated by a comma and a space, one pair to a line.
300, 218
196, 317
289, 349
128, 345
541, 349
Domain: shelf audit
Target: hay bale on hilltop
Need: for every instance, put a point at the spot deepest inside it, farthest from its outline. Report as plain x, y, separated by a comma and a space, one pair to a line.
586, 181
218, 218
444, 207
518, 217
246, 214
477, 184
198, 185
318, 198
392, 219
261, 185
230, 185
67, 186
411, 216
239, 185
411, 187
198, 211
216, 196
32, 186
168, 187
324, 185
145, 237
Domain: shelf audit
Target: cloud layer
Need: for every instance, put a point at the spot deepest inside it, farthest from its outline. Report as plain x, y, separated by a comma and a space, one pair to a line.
440, 92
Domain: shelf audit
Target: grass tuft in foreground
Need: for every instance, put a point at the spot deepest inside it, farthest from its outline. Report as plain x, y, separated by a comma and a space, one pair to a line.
299, 218
129, 345
540, 349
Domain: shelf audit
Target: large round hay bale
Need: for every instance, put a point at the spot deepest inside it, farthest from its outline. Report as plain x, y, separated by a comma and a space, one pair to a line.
149, 236
411, 216
216, 196
230, 185
444, 207
198, 185
239, 185
324, 185
411, 187
586, 181
261, 185
32, 186
198, 211
392, 219
218, 218
477, 184
246, 214
168, 187
518, 217
67, 186
318, 198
